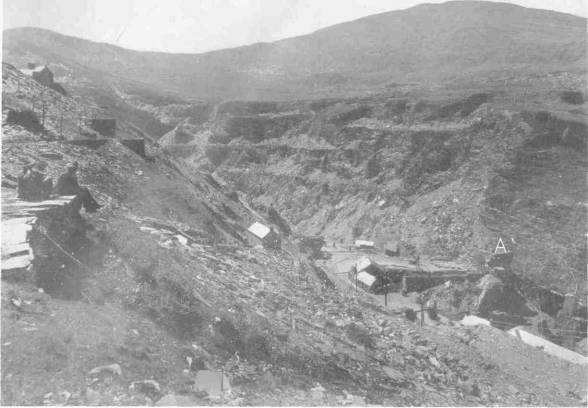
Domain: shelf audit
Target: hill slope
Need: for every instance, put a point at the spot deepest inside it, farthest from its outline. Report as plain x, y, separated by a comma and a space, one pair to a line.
423, 43
162, 307
169, 282
446, 177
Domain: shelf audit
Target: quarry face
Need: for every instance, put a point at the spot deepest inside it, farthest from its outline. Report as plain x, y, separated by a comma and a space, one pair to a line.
342, 218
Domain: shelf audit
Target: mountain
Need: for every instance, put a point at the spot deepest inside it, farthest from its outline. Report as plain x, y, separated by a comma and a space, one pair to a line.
429, 42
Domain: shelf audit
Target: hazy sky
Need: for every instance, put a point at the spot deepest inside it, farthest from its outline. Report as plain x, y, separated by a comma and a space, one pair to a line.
202, 25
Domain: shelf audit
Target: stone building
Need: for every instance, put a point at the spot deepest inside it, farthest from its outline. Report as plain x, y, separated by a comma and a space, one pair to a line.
41, 73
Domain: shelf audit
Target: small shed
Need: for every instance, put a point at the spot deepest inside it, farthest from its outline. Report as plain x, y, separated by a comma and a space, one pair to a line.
42, 74
367, 274
269, 238
364, 244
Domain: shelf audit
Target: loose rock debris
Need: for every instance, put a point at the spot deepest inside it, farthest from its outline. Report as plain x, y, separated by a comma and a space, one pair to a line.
208, 319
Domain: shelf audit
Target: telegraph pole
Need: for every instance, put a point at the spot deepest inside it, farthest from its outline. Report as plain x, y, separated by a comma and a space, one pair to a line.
79, 122
61, 123
44, 107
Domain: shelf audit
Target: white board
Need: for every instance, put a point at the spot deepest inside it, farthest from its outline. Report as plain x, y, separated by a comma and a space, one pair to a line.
259, 230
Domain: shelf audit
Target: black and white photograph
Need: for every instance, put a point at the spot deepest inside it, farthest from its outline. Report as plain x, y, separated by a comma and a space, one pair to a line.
316, 203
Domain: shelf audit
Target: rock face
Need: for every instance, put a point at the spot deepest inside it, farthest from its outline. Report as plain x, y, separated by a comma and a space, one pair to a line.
262, 127
179, 285
490, 297
446, 177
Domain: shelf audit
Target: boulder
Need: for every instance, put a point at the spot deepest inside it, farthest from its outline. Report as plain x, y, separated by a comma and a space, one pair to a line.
213, 383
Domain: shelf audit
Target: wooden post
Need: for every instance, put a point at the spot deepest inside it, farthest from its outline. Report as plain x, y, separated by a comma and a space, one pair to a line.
291, 316
61, 123
44, 107
386, 298
422, 314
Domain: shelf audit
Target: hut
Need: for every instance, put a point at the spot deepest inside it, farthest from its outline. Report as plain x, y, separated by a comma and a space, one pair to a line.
268, 237
42, 74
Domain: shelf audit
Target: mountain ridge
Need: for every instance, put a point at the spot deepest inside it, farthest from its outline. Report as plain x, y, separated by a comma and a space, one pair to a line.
261, 43
425, 43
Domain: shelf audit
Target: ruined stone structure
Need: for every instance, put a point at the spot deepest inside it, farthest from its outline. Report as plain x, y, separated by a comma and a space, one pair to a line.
42, 74
105, 127
136, 145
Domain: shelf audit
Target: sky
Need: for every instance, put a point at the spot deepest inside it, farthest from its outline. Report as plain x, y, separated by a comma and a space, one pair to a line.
204, 25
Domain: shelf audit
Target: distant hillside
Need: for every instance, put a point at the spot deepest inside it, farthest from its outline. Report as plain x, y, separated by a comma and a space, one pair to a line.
429, 42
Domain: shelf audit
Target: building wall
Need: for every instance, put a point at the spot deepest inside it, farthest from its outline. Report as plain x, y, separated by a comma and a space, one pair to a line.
272, 240
106, 127
136, 145
548, 347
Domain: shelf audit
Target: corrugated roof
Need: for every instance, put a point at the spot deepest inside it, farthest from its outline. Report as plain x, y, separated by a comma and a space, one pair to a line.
366, 278
359, 243
259, 230
363, 263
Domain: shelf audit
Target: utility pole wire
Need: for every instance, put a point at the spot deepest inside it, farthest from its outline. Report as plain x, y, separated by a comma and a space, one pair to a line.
65, 252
